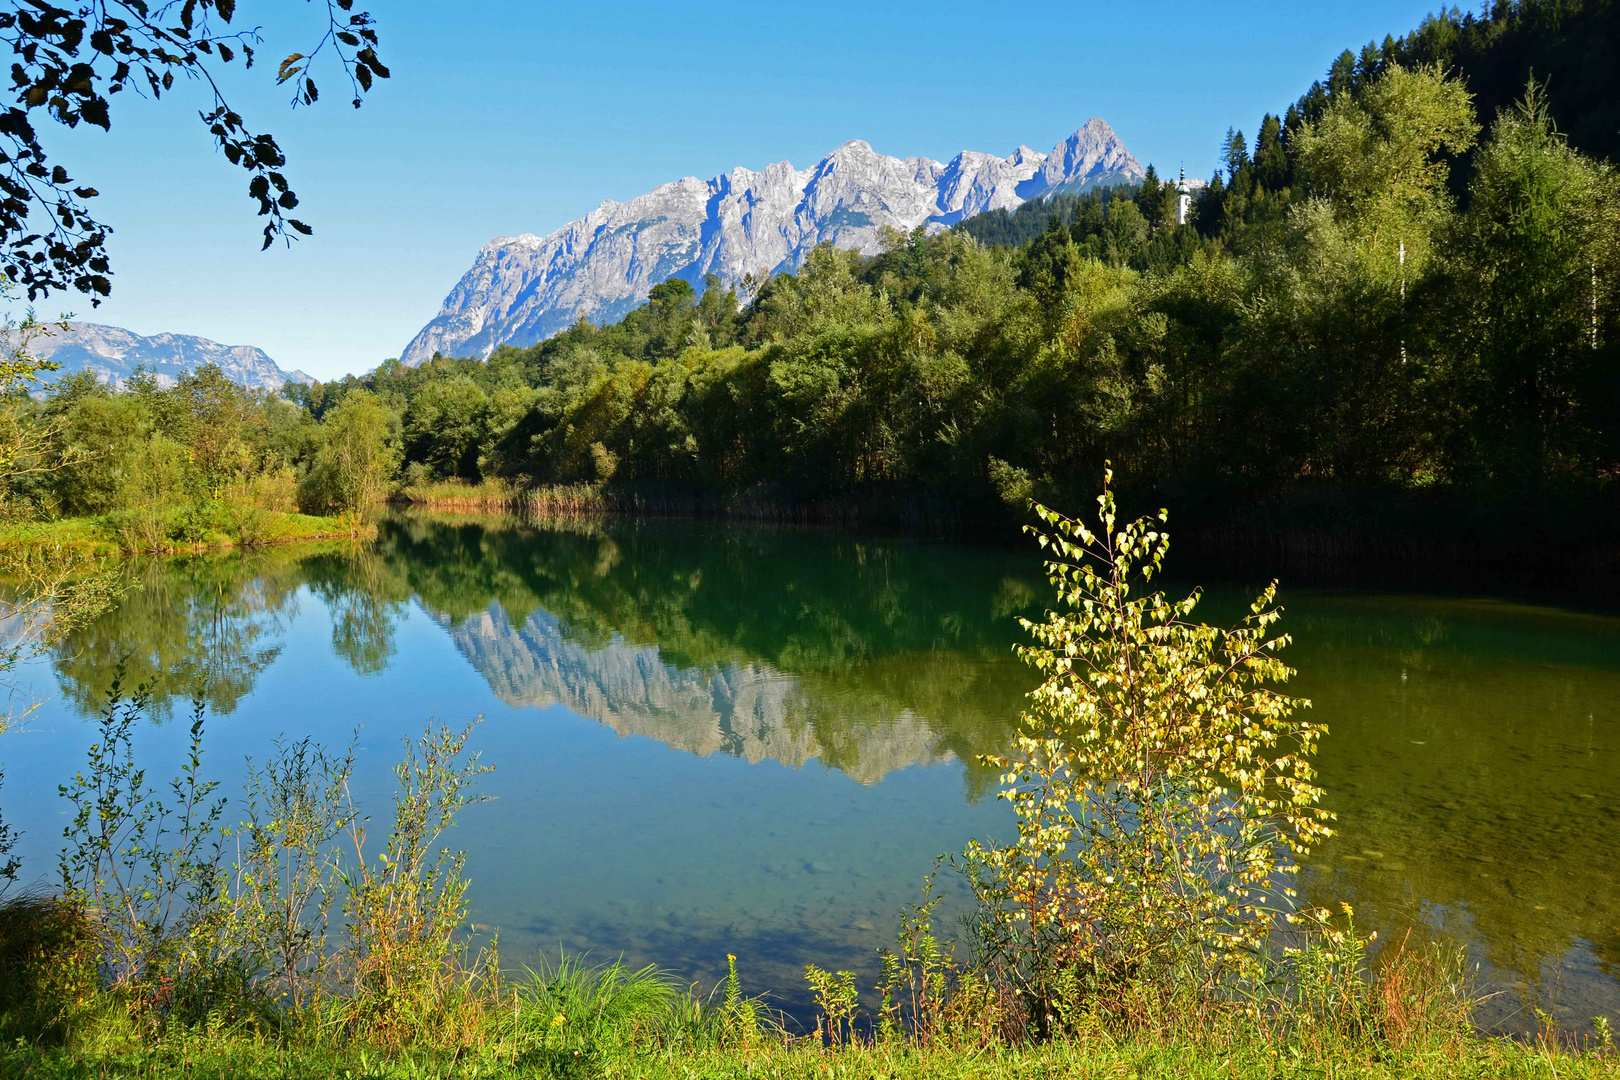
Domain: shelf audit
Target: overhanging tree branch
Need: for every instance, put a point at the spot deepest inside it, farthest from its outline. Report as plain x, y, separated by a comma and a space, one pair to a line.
68, 62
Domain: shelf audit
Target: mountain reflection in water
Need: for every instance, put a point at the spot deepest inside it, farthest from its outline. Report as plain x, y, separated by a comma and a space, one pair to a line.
751, 711
758, 644
827, 699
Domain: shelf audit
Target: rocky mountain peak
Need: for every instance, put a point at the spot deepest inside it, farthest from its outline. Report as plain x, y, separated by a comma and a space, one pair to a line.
1092, 152
522, 289
113, 354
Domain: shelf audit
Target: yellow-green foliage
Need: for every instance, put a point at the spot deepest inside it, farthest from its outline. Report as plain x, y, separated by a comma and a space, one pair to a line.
177, 938
48, 950
112, 536
286, 877
1380, 160
460, 495
1162, 788
405, 907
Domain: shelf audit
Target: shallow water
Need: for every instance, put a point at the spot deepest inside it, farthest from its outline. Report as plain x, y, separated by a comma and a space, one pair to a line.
713, 739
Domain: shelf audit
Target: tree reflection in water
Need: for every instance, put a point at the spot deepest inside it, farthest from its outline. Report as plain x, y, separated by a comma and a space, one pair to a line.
194, 628
868, 655
1473, 754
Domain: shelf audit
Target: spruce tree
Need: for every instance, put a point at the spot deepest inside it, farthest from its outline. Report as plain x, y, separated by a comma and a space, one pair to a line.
1270, 160
1148, 198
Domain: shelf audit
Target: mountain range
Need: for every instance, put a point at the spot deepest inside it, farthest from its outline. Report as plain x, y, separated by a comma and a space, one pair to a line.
114, 353
742, 226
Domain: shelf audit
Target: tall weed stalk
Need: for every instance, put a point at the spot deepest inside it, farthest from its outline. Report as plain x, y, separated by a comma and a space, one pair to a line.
404, 908
287, 873
144, 865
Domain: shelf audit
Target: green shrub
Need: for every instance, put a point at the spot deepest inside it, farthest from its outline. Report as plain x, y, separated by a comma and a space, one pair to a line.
148, 865
48, 952
1162, 790
355, 458
140, 529
200, 522
404, 907
287, 875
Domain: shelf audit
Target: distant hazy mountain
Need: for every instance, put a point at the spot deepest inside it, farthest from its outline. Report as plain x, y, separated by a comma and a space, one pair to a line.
523, 289
113, 354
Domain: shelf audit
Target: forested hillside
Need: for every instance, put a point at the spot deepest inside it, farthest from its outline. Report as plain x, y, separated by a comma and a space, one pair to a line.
1569, 44
1398, 310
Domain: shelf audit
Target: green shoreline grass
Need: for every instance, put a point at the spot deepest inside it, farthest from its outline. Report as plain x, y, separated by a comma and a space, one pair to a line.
98, 538
489, 495
203, 1056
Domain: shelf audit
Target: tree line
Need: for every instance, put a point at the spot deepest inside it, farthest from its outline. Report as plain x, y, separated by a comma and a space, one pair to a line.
178, 462
1390, 293
1333, 315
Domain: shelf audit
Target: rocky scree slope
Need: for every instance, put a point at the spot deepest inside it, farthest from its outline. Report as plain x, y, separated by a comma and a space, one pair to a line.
742, 226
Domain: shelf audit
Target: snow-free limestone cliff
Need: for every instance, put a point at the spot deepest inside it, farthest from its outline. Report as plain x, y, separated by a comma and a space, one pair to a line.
741, 224
114, 353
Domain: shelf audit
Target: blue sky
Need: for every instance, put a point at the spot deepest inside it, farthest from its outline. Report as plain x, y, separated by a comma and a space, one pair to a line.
509, 117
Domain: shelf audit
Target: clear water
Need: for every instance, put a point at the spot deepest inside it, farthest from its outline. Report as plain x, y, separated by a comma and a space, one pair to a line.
714, 739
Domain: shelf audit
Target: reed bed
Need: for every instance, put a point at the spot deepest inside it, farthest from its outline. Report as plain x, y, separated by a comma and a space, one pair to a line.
758, 504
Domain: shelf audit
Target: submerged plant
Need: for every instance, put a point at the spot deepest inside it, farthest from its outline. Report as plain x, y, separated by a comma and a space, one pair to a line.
1162, 789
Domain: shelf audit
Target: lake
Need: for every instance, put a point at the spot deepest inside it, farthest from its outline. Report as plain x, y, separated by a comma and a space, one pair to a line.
711, 738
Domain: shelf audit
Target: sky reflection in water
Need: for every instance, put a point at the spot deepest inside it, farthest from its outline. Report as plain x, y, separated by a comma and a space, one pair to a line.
715, 739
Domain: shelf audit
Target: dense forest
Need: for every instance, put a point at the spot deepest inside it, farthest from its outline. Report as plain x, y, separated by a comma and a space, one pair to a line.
1400, 305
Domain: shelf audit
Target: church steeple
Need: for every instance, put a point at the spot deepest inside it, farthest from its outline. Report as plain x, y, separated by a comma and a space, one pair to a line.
1183, 198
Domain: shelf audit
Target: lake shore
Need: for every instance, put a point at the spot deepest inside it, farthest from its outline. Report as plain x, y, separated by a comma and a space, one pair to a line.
1146, 1057
101, 537
1561, 544
906, 509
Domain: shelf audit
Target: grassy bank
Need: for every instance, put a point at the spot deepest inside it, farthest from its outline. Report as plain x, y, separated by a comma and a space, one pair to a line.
1098, 1056
1403, 1021
173, 532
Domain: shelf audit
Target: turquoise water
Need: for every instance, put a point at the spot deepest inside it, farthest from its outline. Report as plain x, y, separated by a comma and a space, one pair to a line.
713, 739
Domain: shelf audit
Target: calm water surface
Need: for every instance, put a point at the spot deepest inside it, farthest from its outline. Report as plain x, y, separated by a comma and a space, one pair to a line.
714, 739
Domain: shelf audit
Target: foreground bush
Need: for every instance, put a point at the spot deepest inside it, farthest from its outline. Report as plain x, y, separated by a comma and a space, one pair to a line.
1163, 790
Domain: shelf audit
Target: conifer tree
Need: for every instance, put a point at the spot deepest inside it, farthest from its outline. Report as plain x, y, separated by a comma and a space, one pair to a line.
1148, 199
1270, 160
1234, 154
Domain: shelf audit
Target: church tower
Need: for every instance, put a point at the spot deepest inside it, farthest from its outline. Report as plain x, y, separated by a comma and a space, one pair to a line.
1183, 198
